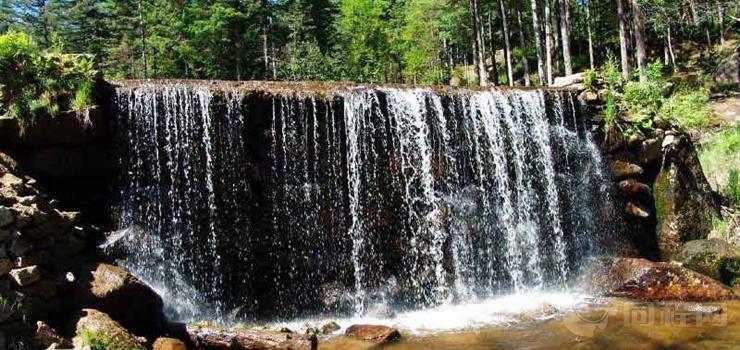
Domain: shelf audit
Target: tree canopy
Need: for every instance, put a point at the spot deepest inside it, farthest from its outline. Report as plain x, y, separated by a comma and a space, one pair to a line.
411, 41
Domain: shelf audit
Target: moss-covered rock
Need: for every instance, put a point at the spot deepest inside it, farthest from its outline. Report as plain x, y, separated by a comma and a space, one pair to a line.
684, 203
706, 256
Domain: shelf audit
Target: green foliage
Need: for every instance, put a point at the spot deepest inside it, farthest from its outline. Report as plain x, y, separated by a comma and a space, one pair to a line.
720, 160
365, 39
37, 83
733, 186
689, 108
421, 38
589, 78
101, 341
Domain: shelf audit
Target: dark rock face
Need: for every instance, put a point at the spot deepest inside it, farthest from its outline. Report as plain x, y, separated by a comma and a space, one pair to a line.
376, 334
47, 274
684, 203
652, 281
69, 154
39, 244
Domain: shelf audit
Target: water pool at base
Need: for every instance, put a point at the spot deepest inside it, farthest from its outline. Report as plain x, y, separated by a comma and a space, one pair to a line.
580, 323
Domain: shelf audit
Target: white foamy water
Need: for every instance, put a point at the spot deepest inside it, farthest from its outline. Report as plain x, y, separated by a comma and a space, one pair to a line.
502, 310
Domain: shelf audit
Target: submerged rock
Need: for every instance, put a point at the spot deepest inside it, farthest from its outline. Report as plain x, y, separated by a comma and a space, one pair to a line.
706, 255
377, 334
642, 279
543, 311
207, 337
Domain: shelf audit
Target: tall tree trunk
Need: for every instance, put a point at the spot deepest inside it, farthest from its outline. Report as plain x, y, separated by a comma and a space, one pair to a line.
721, 18
670, 46
639, 38
523, 46
548, 42
479, 60
507, 45
590, 37
555, 32
492, 44
666, 58
623, 39
709, 38
541, 69
265, 57
565, 36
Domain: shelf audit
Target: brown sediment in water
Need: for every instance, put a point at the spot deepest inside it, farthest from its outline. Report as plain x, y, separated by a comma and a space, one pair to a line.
619, 324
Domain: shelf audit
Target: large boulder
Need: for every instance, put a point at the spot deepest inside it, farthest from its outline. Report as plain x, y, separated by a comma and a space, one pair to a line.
124, 297
706, 256
97, 330
652, 281
684, 203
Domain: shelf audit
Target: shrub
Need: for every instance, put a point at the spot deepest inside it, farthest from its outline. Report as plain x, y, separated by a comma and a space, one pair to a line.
642, 100
612, 73
589, 78
37, 84
611, 112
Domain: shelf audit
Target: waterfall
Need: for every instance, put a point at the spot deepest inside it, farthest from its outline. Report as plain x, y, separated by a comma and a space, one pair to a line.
281, 201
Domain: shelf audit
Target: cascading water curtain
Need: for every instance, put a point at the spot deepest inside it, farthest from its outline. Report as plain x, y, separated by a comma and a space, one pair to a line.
293, 202
183, 195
